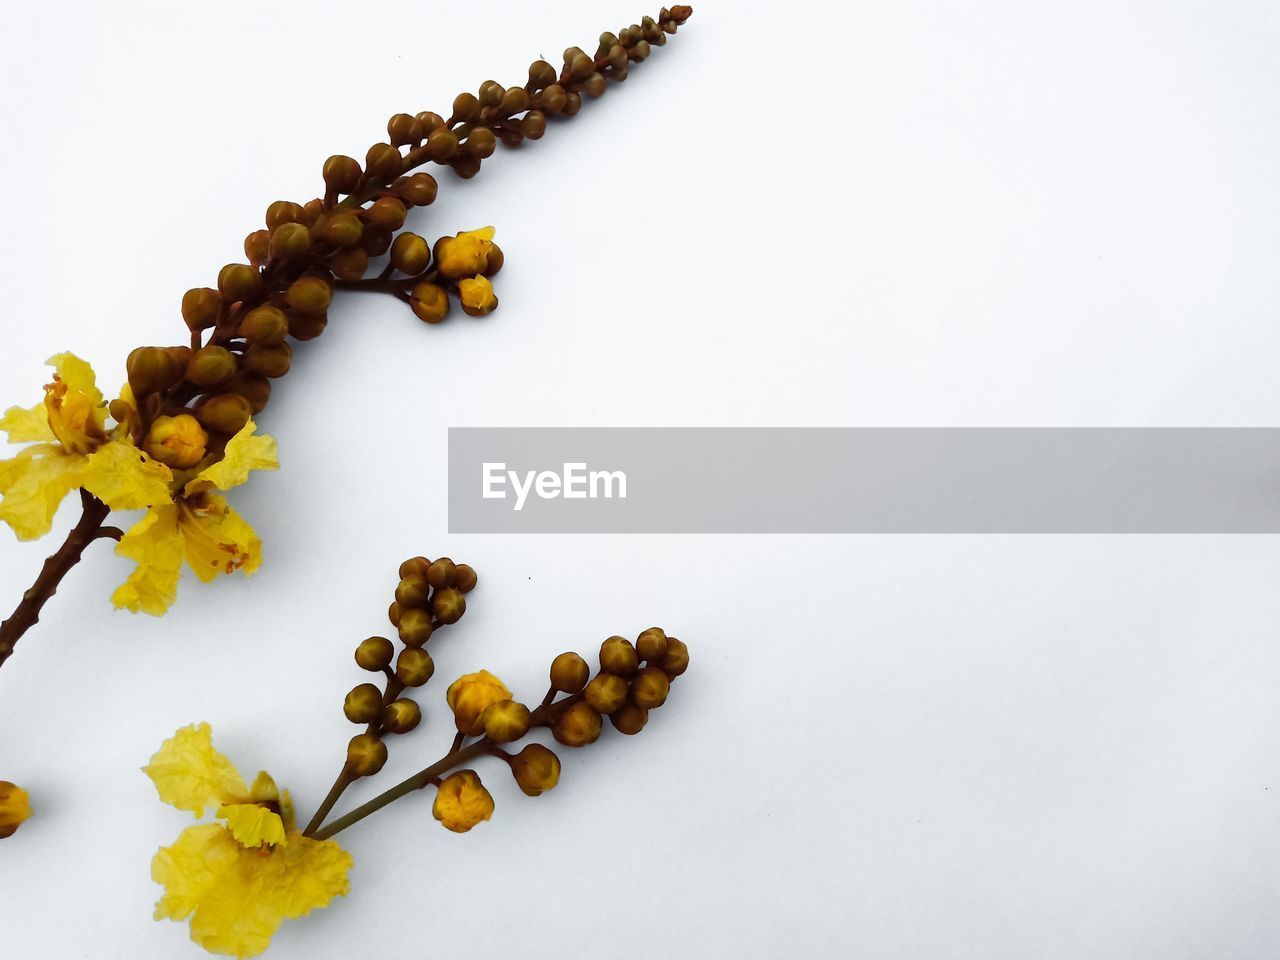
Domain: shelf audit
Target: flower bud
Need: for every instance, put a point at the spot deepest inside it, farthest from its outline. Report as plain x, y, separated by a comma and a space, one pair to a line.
577, 726
414, 626
541, 74
595, 85
257, 247
201, 307
462, 802
413, 591
402, 129
617, 655
469, 695
572, 104
676, 660
476, 296
410, 254
448, 605
581, 67
606, 692
342, 230
629, 719
211, 367
224, 413
349, 264
505, 721
376, 240
464, 255
491, 92
442, 145
393, 614
177, 442
342, 174
481, 142
253, 387
264, 325
309, 295
401, 716
569, 673
536, 769
281, 212
387, 213
534, 124
649, 688
239, 281
383, 161
430, 121
375, 654
366, 755
441, 573
514, 100
465, 107
414, 567
152, 369
430, 302
15, 807
652, 644
464, 577
269, 361
552, 99
417, 190
290, 241
363, 704
414, 667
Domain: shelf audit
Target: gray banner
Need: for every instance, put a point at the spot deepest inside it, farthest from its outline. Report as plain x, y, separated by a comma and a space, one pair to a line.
864, 480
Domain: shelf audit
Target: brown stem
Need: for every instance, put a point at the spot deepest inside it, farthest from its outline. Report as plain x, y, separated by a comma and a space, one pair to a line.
27, 613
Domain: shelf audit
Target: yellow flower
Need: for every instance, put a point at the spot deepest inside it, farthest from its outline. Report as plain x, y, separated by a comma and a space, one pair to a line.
70, 449
477, 296
464, 255
177, 441
238, 880
198, 526
462, 802
469, 695
15, 807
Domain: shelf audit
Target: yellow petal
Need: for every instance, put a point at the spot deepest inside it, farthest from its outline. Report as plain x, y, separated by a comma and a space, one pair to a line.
25, 425
245, 452
77, 375
237, 897
156, 545
33, 484
74, 405
217, 539
462, 801
264, 789
125, 478
191, 775
253, 825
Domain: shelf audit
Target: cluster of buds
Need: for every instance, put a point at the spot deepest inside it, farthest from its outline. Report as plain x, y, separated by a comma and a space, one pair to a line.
431, 594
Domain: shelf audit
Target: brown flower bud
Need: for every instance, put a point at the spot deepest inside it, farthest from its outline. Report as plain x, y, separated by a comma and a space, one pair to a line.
572, 104
201, 307
152, 369
383, 161
418, 190
541, 74
441, 572
375, 654
414, 667
211, 367
465, 107
257, 247
441, 145
414, 626
349, 264
552, 99
534, 124
376, 240
649, 688
629, 719
569, 673
491, 92
253, 387
430, 121
239, 281
309, 295
366, 755
505, 721
617, 655
269, 360
652, 644
224, 413
282, 212
410, 254
387, 213
536, 769
676, 660
393, 614
414, 567
481, 142
401, 716
363, 704
448, 605
402, 129
430, 302
577, 726
515, 100
464, 577
595, 85
264, 325
606, 692
303, 326
412, 591
342, 174
342, 229
290, 241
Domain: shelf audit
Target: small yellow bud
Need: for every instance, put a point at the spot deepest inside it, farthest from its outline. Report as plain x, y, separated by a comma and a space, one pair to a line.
606, 692
569, 673
374, 654
505, 721
464, 255
401, 716
152, 369
440, 573
617, 655
363, 704
448, 605
676, 660
462, 802
430, 302
366, 755
629, 719
224, 413
652, 644
649, 688
414, 626
177, 442
477, 296
469, 695
464, 577
577, 726
414, 667
412, 592
536, 769
15, 807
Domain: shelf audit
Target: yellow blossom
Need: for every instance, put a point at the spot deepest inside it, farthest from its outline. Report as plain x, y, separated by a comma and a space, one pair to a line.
199, 526
462, 801
464, 255
236, 881
15, 807
177, 441
70, 448
477, 296
469, 695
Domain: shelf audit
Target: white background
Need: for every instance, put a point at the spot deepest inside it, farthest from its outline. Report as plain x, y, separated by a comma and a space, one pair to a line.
896, 213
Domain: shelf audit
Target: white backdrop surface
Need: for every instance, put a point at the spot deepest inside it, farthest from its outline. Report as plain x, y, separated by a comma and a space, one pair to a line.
881, 214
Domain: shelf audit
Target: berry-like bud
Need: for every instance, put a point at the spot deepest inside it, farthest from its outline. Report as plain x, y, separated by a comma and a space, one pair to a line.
414, 667
211, 367
470, 695
393, 614
606, 692
290, 241
534, 124
401, 716
224, 413
413, 591
541, 74
304, 326
617, 655
448, 605
629, 719
442, 145
383, 161
342, 230
402, 129
652, 644
363, 704
676, 660
388, 213
375, 654
414, 567
476, 296
376, 240
366, 755
536, 769
649, 688
572, 104
481, 142
417, 190
465, 107
15, 807
581, 67
464, 577
430, 302
577, 726
342, 174
239, 281
515, 100
177, 442
281, 212
264, 325
414, 626
491, 92
257, 247
595, 85
505, 721
569, 673
410, 254
269, 361
462, 802
201, 307
553, 98
441, 573
253, 387
152, 369
349, 264
309, 295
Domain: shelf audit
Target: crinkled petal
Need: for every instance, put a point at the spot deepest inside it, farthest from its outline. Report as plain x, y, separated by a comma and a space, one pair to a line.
33, 484
237, 897
77, 375
156, 545
191, 775
245, 452
27, 424
217, 539
252, 824
125, 478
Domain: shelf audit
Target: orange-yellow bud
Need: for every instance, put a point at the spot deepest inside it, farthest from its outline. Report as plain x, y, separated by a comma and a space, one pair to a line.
462, 801
177, 442
468, 697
